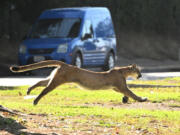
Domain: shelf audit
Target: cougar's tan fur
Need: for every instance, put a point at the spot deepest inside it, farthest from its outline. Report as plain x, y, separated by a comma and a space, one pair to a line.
64, 73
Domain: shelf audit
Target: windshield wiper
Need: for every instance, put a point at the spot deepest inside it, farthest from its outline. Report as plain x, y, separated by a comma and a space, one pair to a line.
56, 37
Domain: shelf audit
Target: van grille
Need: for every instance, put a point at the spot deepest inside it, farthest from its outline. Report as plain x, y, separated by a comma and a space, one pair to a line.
41, 51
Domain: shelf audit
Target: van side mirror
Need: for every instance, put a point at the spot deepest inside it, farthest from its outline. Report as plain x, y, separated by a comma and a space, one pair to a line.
86, 36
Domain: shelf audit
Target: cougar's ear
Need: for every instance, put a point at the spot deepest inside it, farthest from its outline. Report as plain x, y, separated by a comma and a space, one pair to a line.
133, 65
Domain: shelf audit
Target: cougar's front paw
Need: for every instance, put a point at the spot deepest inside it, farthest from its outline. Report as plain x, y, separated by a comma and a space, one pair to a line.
125, 99
143, 99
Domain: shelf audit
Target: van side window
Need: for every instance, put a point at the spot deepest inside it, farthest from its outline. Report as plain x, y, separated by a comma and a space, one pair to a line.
87, 30
103, 26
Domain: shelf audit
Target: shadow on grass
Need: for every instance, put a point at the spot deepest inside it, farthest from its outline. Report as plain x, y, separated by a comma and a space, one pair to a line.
7, 88
175, 106
11, 126
152, 86
68, 106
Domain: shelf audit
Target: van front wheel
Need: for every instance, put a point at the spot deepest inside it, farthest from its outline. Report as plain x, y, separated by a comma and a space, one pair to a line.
109, 62
77, 60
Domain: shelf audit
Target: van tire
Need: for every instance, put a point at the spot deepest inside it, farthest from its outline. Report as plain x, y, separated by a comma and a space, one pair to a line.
77, 60
109, 62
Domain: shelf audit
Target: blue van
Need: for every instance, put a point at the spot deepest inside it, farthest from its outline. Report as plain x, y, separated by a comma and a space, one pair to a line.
83, 37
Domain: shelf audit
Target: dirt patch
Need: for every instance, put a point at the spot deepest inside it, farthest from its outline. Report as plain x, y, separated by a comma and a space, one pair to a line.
51, 125
33, 124
171, 105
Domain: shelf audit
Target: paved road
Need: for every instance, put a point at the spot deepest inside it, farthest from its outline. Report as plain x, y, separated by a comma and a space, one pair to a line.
159, 75
19, 81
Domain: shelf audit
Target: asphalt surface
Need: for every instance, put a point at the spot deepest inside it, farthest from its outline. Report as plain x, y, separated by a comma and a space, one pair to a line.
24, 80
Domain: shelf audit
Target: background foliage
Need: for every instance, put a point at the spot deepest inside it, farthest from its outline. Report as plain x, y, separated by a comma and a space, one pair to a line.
151, 25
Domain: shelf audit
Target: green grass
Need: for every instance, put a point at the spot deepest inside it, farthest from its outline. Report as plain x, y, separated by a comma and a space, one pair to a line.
69, 100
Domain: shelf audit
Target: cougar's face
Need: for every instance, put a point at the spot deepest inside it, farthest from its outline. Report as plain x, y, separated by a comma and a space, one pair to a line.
136, 73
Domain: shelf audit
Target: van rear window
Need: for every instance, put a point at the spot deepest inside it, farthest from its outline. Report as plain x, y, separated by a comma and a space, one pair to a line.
56, 28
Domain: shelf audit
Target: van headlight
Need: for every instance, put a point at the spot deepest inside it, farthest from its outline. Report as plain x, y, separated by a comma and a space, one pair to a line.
62, 48
22, 49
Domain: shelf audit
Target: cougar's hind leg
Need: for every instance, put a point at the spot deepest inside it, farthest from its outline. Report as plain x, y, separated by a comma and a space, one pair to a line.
44, 92
40, 83
43, 82
55, 80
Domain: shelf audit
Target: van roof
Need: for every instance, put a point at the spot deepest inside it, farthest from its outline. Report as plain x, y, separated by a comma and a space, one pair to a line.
71, 12
79, 9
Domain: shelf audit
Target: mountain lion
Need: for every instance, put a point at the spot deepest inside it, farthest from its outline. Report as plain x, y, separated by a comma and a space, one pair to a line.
65, 73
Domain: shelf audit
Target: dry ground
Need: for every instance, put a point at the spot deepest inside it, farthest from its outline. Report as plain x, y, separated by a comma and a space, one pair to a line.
33, 124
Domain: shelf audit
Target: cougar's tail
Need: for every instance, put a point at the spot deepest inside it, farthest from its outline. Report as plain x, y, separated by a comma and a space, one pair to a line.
42, 64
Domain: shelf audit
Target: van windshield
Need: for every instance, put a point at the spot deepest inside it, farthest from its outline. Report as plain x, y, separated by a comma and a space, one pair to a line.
56, 28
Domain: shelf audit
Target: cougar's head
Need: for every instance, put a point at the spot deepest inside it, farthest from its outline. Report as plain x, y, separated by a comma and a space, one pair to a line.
135, 71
